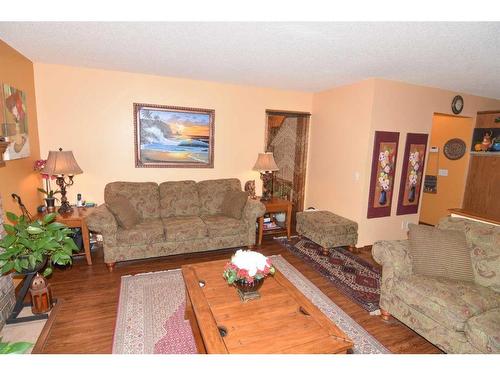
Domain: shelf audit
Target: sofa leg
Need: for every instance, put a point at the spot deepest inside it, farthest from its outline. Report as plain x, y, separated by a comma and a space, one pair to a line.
251, 247
385, 315
324, 251
111, 266
352, 249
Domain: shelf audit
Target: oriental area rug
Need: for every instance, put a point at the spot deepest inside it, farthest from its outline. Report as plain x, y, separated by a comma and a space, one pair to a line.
151, 314
354, 277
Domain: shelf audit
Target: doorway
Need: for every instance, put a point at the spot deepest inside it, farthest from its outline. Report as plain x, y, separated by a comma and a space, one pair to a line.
444, 182
287, 138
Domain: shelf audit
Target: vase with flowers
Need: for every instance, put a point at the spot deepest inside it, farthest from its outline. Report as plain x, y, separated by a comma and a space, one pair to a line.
386, 163
50, 195
246, 271
414, 160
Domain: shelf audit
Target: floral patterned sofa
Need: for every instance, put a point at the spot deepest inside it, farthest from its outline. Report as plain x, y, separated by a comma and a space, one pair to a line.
177, 217
456, 316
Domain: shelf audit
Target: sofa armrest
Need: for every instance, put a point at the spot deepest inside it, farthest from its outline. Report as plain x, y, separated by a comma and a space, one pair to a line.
101, 220
395, 258
253, 210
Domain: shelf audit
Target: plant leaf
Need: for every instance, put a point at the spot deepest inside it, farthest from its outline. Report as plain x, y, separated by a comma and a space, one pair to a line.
47, 272
7, 267
55, 226
9, 228
32, 261
49, 218
34, 230
12, 217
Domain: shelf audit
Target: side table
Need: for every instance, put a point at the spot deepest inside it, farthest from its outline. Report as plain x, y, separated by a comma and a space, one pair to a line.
76, 219
275, 205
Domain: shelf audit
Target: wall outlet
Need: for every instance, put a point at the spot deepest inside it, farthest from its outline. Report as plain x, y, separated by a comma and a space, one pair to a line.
356, 176
443, 172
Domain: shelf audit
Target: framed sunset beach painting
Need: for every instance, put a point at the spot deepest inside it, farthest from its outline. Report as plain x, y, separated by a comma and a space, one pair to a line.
173, 137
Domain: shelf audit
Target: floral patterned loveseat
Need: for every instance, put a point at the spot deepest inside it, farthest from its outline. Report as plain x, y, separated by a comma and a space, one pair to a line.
177, 217
456, 316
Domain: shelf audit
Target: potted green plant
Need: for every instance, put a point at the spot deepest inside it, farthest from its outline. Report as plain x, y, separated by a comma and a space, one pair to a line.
50, 198
30, 246
50, 194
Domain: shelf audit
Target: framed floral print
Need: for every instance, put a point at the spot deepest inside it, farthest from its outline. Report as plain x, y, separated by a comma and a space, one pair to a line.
385, 152
14, 122
411, 175
173, 137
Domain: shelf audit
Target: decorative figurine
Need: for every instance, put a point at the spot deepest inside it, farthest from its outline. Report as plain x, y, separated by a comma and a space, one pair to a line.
487, 141
79, 201
41, 296
250, 188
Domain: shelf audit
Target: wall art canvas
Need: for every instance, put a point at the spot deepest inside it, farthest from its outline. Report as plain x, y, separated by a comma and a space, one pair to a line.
412, 173
385, 152
173, 137
14, 122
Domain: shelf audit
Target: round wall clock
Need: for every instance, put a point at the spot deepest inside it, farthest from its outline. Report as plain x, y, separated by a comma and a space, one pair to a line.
454, 149
457, 104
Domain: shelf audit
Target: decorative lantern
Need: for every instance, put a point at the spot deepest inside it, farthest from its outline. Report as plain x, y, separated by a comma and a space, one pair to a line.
41, 297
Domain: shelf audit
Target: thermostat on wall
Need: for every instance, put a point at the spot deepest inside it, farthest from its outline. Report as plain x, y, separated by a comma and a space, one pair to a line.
434, 149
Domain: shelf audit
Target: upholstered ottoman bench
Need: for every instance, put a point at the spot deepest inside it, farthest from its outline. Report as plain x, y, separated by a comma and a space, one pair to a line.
327, 229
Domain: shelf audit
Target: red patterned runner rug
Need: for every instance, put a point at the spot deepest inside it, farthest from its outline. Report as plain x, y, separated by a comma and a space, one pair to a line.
352, 275
151, 314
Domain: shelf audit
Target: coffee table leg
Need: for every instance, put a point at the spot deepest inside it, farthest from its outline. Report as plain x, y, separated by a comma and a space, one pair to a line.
191, 317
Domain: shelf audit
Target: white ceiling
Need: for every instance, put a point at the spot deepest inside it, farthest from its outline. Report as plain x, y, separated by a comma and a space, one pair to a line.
462, 57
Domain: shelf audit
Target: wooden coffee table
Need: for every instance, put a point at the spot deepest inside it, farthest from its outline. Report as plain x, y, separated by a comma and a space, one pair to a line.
283, 320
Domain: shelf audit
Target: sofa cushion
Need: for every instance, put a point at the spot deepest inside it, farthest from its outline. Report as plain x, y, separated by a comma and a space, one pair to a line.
144, 196
179, 198
483, 331
223, 226
233, 204
146, 232
211, 194
125, 214
449, 302
184, 228
440, 253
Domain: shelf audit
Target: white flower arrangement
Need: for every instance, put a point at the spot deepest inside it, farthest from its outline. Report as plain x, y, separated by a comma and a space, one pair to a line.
248, 265
415, 166
385, 162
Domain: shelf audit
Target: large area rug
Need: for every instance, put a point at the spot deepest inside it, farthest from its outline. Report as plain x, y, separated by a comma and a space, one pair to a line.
353, 276
151, 314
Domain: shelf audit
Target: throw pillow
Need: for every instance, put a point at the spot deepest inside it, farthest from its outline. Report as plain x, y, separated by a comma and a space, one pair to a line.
440, 253
233, 204
123, 211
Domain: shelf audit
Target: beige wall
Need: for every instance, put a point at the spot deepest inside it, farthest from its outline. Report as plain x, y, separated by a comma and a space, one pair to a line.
339, 139
89, 111
18, 175
450, 189
395, 106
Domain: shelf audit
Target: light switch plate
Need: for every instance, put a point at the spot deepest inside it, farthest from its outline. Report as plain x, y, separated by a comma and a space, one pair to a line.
443, 172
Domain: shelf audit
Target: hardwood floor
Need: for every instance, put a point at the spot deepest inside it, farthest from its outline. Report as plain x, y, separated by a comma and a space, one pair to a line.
86, 321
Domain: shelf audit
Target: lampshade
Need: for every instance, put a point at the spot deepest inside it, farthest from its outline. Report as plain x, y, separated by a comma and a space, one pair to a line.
265, 163
61, 163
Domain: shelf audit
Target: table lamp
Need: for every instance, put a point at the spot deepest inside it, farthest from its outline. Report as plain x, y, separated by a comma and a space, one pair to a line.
266, 165
62, 164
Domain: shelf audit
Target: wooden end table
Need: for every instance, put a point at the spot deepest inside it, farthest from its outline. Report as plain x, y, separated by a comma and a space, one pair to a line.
273, 206
282, 320
76, 219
